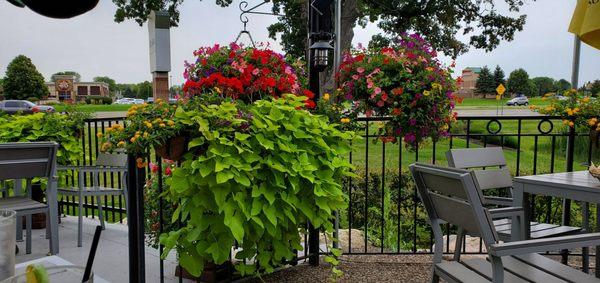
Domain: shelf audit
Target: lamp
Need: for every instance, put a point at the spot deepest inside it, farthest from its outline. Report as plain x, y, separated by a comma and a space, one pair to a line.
320, 54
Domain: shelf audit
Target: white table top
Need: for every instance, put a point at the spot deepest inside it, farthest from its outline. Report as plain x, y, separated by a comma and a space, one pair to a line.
52, 261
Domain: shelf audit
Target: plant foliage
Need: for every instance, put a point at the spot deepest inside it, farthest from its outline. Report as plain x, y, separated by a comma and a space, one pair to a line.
254, 175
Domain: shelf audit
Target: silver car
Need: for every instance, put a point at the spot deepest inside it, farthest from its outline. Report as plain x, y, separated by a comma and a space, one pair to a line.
23, 106
519, 100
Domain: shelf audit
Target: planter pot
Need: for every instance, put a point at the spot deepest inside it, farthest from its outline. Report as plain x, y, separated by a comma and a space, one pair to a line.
173, 148
212, 273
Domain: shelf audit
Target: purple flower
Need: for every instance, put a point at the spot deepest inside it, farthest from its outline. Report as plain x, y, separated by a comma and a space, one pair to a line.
410, 138
412, 122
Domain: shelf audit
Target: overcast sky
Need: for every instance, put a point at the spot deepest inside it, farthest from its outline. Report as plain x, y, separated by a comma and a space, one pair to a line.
94, 45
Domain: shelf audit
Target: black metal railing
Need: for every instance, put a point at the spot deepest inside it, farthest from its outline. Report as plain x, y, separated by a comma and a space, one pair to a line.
384, 214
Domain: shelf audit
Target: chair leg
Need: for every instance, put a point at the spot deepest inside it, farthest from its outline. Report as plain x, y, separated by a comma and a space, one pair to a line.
458, 245
100, 213
28, 236
48, 232
80, 221
19, 228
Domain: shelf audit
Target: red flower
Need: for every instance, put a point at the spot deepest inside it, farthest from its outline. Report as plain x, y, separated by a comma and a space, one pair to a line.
308, 93
310, 104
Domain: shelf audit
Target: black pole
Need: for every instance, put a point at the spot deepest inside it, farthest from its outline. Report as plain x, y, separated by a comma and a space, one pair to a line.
135, 220
566, 215
313, 245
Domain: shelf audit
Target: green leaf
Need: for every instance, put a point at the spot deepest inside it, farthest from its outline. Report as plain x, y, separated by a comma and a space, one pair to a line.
266, 143
270, 211
224, 176
191, 264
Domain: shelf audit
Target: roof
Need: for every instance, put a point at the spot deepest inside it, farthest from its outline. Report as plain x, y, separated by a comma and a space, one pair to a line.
476, 70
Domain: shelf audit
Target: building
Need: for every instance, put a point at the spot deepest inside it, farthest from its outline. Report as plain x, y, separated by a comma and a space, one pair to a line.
67, 88
466, 88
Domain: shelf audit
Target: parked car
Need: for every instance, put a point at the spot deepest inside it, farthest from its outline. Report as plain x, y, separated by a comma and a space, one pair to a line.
23, 106
125, 100
519, 100
150, 100
138, 101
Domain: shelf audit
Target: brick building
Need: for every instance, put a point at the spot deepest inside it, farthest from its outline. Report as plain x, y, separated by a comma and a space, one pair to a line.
67, 88
469, 79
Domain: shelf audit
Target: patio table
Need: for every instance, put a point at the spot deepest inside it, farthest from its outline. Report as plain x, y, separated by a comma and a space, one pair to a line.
50, 261
579, 186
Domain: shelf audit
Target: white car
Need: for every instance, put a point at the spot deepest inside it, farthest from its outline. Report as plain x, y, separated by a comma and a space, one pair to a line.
125, 100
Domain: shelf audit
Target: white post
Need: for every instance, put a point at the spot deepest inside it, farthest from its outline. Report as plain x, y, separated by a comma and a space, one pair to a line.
160, 53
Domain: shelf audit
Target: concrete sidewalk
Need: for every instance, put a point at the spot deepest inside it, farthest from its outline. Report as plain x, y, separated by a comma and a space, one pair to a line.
111, 262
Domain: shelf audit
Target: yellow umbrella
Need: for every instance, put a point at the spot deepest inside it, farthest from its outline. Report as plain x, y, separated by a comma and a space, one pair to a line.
586, 22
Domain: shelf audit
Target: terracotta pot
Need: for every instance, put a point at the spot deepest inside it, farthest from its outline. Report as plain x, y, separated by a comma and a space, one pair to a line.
212, 273
173, 148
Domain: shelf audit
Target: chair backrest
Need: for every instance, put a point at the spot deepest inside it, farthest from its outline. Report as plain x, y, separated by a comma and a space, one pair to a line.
111, 159
453, 195
25, 160
498, 176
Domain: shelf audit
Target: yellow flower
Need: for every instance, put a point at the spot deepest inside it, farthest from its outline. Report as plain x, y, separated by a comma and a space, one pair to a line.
426, 93
99, 135
592, 121
345, 120
569, 111
148, 124
171, 123
162, 125
121, 144
532, 107
132, 139
145, 135
565, 122
158, 100
571, 124
326, 96
586, 99
576, 110
436, 86
105, 146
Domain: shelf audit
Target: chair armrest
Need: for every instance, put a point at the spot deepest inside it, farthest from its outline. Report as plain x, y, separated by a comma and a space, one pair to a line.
503, 201
505, 212
544, 245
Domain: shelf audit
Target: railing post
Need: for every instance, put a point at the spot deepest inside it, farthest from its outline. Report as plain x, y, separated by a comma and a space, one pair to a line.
566, 214
135, 220
313, 245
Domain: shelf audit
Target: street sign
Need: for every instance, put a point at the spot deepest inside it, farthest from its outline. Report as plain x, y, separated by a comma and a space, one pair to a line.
500, 89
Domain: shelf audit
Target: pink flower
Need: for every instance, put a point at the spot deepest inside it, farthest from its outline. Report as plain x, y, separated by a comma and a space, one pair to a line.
377, 90
153, 167
168, 171
380, 103
355, 77
360, 70
370, 85
255, 71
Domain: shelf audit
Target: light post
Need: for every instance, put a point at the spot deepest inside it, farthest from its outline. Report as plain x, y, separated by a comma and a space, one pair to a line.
320, 35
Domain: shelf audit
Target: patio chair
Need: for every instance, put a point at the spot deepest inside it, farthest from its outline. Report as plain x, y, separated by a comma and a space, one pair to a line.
453, 196
489, 167
105, 163
25, 161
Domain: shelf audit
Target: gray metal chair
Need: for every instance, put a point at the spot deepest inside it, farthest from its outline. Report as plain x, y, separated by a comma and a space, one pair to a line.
489, 167
25, 161
105, 162
454, 196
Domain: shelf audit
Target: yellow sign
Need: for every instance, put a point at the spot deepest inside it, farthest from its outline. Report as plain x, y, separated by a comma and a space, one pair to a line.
500, 89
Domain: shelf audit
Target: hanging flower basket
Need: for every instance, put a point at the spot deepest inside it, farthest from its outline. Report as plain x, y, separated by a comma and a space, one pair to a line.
173, 148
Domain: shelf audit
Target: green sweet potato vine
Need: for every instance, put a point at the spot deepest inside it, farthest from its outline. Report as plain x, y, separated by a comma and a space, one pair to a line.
255, 174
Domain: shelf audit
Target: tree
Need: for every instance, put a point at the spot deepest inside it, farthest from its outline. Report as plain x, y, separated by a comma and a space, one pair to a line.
485, 83
127, 90
562, 85
543, 85
499, 76
23, 80
1, 87
144, 90
518, 82
440, 22
70, 73
112, 85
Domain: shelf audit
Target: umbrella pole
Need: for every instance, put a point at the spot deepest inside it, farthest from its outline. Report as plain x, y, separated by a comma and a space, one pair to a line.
566, 216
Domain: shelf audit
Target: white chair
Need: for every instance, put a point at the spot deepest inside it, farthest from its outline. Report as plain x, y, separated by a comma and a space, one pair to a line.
105, 163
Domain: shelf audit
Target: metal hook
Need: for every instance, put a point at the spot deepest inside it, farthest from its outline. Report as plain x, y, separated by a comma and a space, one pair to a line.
244, 18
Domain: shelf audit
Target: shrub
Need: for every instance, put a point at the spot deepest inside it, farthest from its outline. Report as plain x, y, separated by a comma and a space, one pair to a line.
98, 99
33, 99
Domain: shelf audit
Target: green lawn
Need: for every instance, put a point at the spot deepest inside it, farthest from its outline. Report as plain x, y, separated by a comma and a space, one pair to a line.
543, 159
482, 102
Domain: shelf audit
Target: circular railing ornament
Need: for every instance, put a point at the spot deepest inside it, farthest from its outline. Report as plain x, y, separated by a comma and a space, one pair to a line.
489, 128
551, 126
